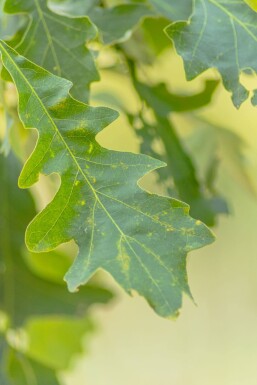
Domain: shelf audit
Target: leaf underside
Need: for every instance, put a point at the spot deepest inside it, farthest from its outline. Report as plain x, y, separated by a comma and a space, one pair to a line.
140, 238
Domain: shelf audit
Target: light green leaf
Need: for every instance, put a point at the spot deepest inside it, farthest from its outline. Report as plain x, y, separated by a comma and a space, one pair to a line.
220, 34
140, 238
51, 266
9, 24
62, 40
154, 36
24, 371
63, 339
17, 369
5, 147
224, 147
73, 7
22, 293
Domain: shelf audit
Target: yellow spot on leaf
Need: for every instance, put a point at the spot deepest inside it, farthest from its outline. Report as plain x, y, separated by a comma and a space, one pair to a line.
90, 148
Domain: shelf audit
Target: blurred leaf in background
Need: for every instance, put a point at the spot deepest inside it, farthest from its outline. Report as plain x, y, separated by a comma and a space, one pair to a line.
9, 24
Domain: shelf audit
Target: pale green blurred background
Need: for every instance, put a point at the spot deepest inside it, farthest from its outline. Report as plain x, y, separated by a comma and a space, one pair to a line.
215, 342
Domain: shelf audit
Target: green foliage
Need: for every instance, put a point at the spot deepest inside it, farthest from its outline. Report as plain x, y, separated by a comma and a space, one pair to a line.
23, 371
173, 10
9, 24
114, 24
233, 24
52, 51
24, 295
179, 164
62, 43
94, 204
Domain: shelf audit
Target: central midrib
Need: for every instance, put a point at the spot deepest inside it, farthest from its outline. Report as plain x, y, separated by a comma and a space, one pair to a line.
2, 44
50, 41
60, 136
233, 17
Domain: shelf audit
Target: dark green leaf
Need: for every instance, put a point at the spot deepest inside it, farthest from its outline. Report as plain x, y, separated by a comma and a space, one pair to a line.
62, 40
180, 166
204, 203
116, 24
140, 238
220, 34
3, 362
164, 102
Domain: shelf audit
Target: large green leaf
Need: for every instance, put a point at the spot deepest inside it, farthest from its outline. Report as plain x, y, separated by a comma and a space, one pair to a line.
140, 238
22, 293
62, 40
115, 24
220, 34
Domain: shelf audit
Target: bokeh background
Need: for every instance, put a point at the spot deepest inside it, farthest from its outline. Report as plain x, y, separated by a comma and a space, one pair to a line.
212, 342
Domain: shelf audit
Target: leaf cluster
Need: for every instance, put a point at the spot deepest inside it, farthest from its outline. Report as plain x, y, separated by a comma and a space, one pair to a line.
51, 52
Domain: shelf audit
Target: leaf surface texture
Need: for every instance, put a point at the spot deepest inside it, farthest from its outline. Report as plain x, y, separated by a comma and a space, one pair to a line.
221, 34
57, 43
140, 238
